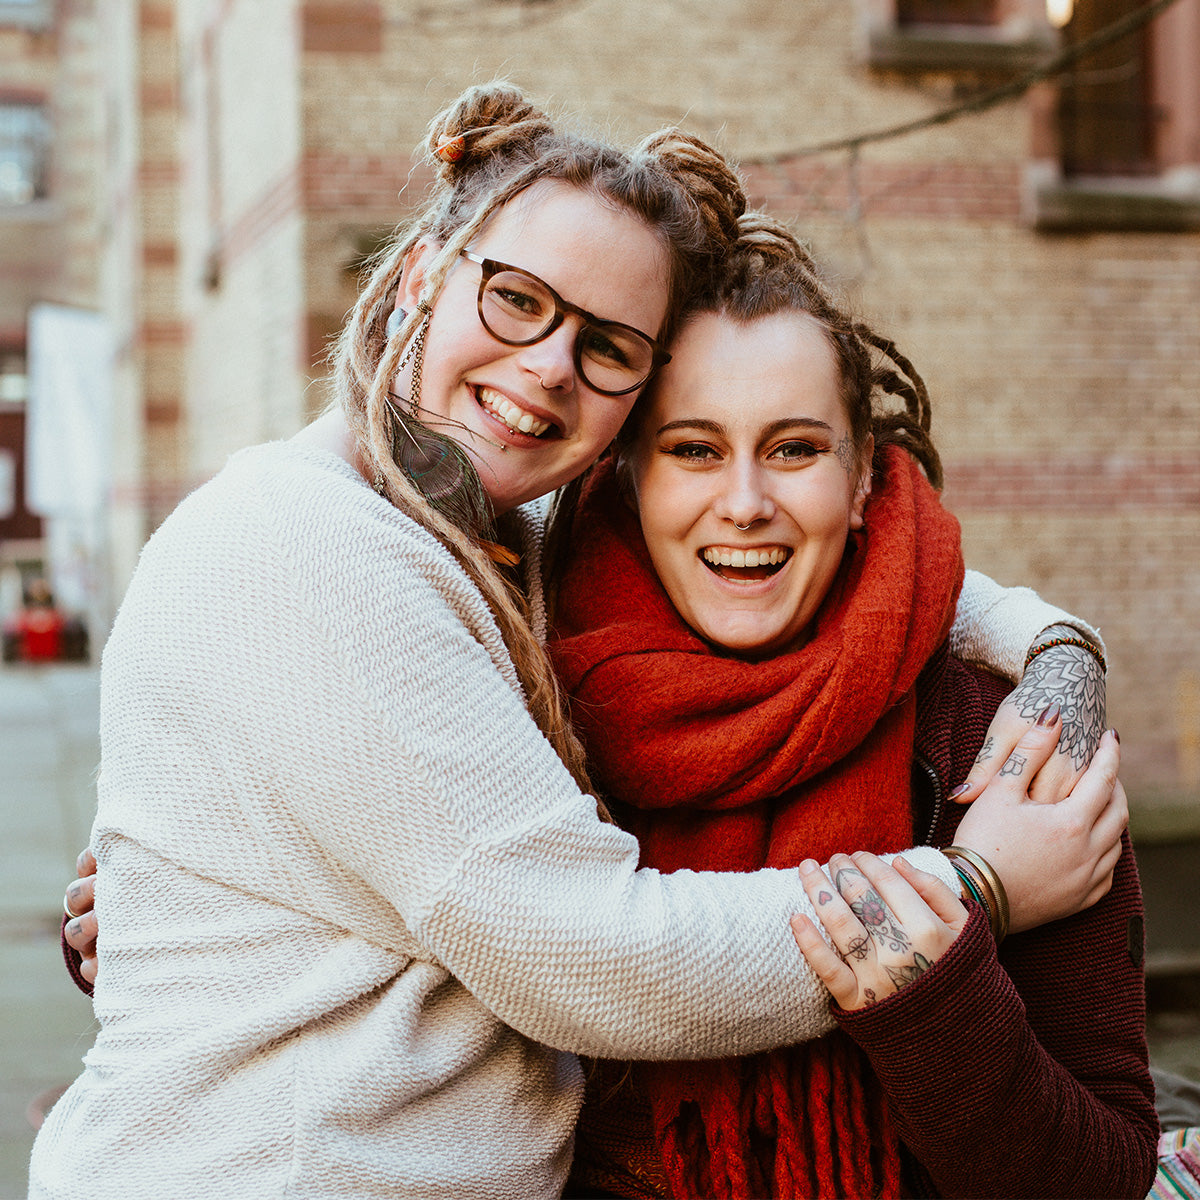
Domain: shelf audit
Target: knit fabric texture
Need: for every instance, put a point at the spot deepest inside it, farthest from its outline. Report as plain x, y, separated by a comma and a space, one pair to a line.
349, 895
1021, 1071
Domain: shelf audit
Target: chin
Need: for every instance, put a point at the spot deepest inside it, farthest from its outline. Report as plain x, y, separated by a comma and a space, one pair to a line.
744, 645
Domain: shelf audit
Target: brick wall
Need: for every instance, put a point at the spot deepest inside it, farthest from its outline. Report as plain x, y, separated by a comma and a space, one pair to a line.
242, 266
1063, 369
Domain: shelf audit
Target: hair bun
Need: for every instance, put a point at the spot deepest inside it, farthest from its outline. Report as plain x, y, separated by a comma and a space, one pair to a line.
706, 177
769, 238
487, 122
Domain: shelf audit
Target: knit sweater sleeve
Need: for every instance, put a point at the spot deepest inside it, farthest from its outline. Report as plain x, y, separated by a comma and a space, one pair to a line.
994, 626
403, 744
1025, 1073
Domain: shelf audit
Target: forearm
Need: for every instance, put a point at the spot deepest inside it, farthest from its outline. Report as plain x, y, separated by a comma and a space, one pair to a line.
996, 626
621, 963
1045, 1080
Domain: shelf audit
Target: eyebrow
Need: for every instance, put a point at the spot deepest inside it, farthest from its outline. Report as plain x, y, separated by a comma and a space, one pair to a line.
770, 431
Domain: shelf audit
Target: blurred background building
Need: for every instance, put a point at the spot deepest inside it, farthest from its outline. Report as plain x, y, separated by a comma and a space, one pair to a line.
188, 189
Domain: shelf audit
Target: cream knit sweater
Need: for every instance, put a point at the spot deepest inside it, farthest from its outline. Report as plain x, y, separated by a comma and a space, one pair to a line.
350, 896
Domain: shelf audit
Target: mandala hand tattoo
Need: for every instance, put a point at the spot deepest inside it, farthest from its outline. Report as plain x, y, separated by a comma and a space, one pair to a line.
1071, 678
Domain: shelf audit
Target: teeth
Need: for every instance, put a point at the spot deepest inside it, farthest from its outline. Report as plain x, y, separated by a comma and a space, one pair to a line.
517, 419
722, 556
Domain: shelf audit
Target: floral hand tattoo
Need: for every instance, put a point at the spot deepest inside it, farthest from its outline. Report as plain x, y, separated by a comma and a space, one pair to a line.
1072, 678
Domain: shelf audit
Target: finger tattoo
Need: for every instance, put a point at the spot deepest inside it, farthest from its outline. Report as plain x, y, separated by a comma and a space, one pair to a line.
859, 948
1014, 765
874, 915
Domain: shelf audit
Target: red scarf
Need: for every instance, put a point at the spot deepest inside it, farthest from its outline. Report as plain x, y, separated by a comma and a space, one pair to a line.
733, 765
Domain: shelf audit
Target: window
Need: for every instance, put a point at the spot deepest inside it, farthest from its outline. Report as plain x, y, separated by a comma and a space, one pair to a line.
27, 14
24, 152
1118, 145
14, 382
1106, 113
990, 36
945, 12
17, 523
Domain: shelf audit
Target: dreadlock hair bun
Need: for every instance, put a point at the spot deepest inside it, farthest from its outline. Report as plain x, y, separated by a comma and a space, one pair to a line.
489, 125
706, 176
763, 237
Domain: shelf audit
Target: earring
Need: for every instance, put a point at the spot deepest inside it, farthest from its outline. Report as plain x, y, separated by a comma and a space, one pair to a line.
416, 351
394, 321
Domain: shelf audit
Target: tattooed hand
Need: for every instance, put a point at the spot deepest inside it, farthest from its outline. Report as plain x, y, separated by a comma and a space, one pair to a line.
1054, 859
888, 926
1073, 680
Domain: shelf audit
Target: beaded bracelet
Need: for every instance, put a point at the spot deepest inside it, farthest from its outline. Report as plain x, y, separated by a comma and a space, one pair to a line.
985, 885
1082, 643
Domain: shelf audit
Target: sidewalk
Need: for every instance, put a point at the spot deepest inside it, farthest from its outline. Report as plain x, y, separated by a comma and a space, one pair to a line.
48, 755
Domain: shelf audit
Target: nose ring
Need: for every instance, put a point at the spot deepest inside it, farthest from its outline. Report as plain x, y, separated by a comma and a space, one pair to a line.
743, 528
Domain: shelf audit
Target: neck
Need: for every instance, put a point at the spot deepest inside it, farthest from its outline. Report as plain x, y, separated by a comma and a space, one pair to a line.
329, 432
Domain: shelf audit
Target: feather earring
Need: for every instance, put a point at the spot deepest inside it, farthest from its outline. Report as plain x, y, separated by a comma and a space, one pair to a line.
437, 465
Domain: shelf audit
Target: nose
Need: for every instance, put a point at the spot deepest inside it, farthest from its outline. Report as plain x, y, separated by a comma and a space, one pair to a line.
552, 359
745, 497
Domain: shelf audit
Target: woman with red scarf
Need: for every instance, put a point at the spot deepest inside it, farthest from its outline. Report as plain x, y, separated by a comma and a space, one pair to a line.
753, 632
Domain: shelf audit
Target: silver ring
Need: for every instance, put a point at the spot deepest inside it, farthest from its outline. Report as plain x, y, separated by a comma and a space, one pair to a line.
68, 910
743, 528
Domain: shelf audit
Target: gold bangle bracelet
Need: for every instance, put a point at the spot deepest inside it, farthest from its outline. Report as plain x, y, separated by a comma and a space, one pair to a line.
978, 888
994, 883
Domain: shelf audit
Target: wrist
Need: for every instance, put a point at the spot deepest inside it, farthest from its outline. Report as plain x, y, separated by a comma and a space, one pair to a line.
1065, 635
982, 884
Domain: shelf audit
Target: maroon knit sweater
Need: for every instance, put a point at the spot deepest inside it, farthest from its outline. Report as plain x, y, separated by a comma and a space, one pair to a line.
1023, 1072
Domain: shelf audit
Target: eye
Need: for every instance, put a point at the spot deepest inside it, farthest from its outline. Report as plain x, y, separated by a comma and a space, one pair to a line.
692, 452
795, 451
600, 347
516, 300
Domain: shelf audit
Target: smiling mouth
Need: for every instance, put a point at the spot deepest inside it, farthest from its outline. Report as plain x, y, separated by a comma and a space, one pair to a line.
510, 415
745, 565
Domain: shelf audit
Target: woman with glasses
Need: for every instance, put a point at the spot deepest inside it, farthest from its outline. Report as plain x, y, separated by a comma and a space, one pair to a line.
360, 909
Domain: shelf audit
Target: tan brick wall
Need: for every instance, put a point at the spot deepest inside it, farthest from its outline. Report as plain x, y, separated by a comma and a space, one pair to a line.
242, 267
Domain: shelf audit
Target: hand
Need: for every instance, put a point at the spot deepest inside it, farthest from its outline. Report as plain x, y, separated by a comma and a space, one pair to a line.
1064, 675
1054, 859
888, 926
82, 929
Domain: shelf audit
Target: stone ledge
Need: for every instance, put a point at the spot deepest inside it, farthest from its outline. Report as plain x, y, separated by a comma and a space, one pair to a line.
957, 48
1106, 206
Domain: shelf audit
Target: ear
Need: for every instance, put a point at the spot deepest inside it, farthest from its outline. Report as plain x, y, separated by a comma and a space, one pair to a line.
862, 489
412, 277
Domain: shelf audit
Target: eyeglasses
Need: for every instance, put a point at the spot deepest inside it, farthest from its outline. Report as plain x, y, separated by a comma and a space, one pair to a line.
518, 309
